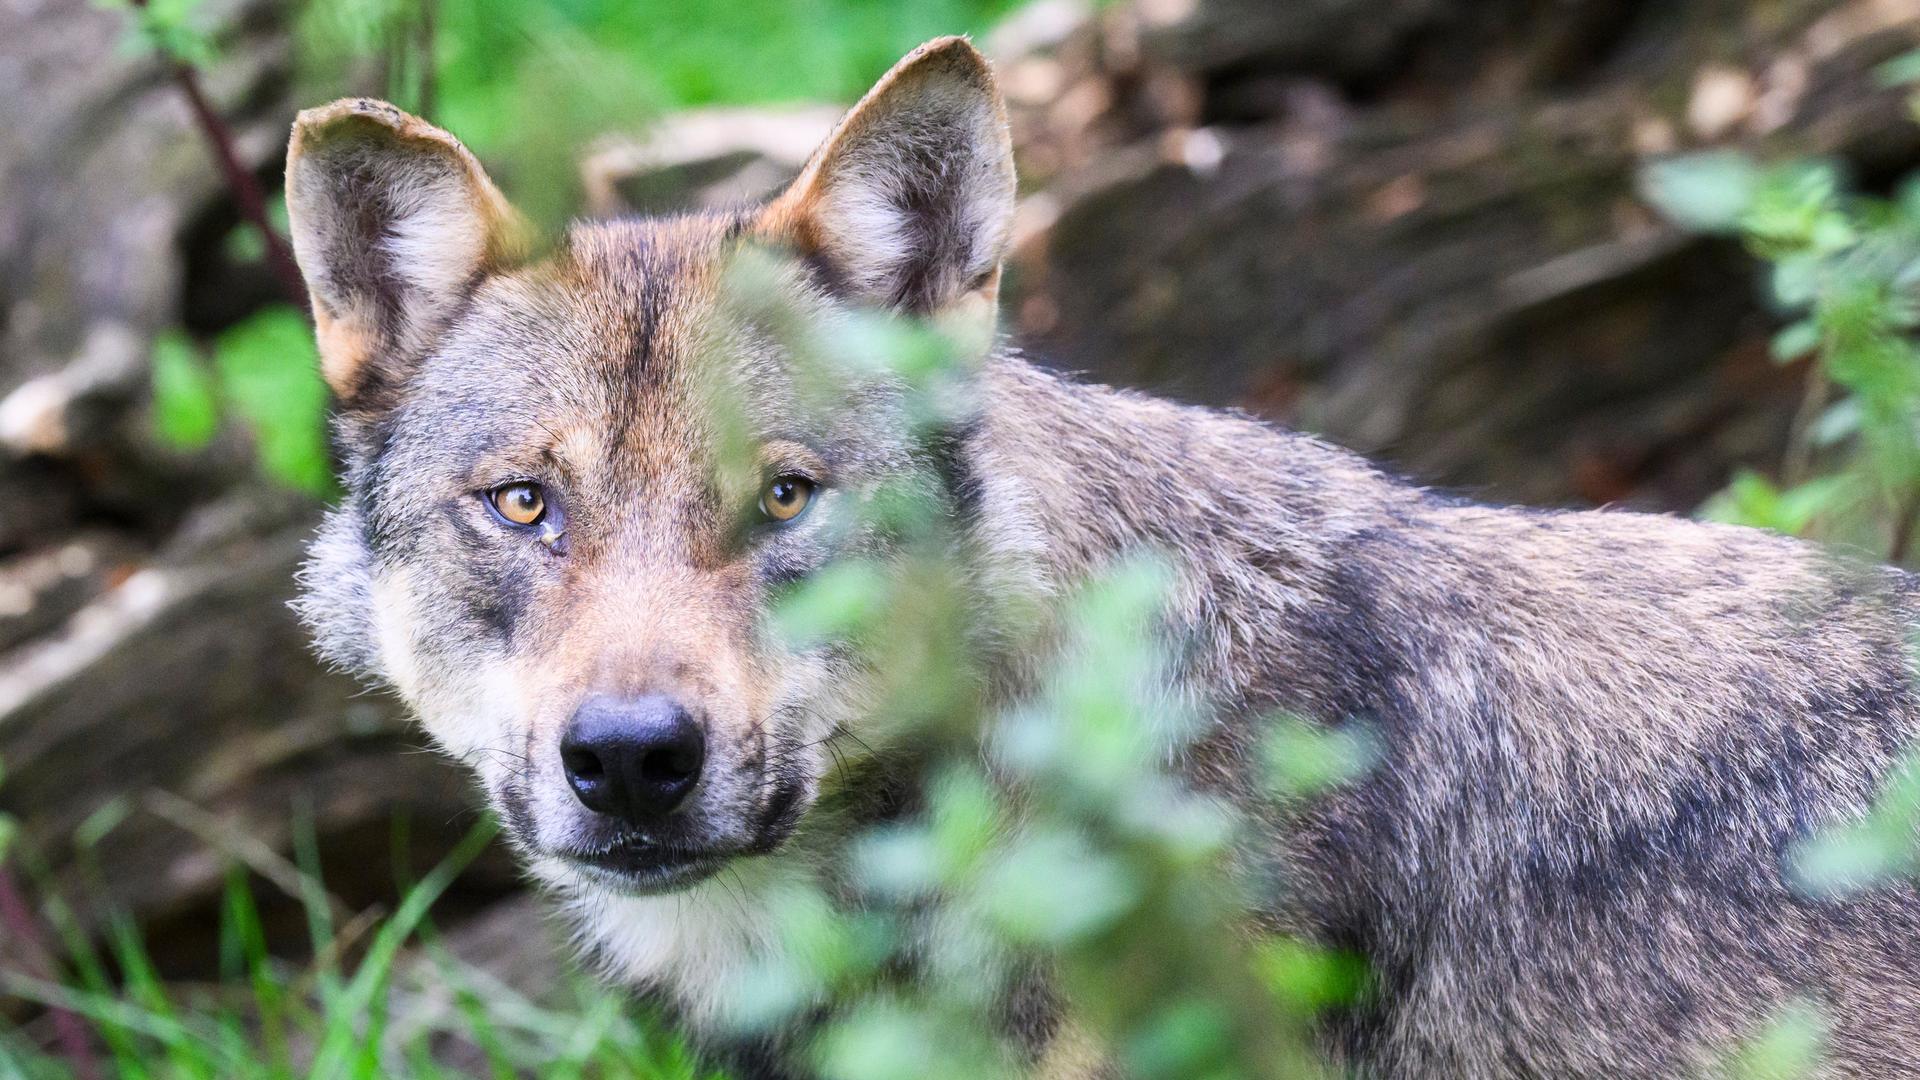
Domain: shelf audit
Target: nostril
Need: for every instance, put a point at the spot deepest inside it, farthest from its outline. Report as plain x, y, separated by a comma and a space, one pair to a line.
670, 766
583, 764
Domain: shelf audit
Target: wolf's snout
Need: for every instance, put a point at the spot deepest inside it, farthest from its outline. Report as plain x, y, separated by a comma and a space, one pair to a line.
633, 758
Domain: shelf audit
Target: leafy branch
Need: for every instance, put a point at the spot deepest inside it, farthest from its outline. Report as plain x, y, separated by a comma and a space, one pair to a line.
1845, 278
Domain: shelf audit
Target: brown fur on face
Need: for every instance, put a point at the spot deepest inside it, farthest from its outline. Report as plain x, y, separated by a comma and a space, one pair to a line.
1603, 735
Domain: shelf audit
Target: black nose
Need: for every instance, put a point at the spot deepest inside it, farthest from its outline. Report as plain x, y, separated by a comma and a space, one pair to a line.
633, 758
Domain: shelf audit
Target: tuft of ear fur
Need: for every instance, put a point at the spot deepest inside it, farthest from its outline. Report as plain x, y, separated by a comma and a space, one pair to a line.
393, 222
909, 202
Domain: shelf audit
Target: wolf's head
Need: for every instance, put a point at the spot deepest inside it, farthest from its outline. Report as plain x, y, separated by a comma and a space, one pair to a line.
543, 547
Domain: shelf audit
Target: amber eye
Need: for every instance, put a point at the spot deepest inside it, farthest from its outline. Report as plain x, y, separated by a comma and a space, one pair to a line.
521, 503
785, 496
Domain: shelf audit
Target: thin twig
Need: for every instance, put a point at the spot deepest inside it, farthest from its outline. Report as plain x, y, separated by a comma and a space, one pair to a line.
246, 190
240, 181
23, 926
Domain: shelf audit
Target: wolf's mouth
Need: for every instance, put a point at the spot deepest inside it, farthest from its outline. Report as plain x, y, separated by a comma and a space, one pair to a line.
646, 869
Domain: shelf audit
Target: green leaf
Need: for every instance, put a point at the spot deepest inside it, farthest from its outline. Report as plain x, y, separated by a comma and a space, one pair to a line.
1051, 888
1795, 341
1861, 854
1798, 220
1838, 422
877, 1041
186, 408
1748, 499
837, 602
1303, 758
1180, 1040
1309, 977
1753, 500
1902, 70
1707, 192
964, 820
896, 862
1796, 281
1847, 861
1788, 1047
174, 28
270, 373
1801, 504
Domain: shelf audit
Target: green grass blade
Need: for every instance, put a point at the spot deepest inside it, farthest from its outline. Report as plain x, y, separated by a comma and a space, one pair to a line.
343, 1042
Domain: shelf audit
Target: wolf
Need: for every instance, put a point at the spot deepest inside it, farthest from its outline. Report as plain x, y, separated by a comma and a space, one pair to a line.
1602, 735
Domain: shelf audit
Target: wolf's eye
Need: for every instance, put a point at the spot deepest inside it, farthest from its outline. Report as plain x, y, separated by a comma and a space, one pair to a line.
785, 497
521, 503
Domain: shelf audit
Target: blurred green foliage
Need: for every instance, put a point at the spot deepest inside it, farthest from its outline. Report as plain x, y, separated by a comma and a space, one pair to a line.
1787, 1047
180, 30
1842, 274
9, 826
269, 372
186, 404
264, 373
1866, 853
484, 54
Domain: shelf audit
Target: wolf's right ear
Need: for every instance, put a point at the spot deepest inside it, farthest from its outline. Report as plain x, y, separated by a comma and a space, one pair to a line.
393, 221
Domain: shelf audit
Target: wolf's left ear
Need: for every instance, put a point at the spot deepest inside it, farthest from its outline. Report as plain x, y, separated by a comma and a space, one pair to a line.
393, 221
909, 202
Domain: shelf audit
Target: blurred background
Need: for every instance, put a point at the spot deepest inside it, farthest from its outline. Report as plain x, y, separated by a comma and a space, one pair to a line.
1561, 252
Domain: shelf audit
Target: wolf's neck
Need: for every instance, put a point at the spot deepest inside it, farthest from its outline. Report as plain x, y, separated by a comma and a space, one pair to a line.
1075, 477
1098, 474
